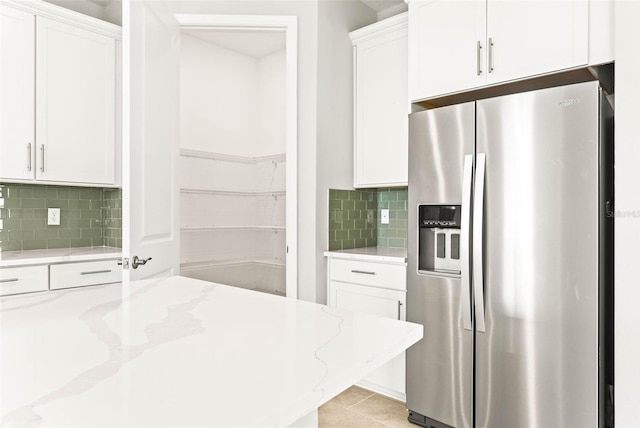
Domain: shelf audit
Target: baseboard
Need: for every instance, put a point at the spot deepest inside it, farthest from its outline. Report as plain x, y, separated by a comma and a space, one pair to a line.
379, 389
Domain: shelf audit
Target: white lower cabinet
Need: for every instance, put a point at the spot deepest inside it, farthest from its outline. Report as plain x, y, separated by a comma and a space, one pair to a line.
377, 289
27, 279
69, 275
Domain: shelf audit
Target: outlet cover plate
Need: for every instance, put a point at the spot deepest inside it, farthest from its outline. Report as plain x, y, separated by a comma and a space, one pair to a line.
53, 217
384, 216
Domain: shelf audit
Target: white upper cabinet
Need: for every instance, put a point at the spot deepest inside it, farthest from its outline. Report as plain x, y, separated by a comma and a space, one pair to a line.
75, 108
526, 38
461, 45
17, 93
381, 103
445, 46
59, 96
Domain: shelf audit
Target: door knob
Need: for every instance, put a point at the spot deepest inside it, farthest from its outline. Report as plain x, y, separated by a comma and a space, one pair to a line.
138, 262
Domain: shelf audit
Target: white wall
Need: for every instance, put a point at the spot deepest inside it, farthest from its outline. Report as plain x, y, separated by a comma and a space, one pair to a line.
111, 13
271, 135
335, 114
231, 103
627, 207
217, 89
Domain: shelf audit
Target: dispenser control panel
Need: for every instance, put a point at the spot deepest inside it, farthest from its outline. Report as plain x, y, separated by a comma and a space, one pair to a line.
439, 238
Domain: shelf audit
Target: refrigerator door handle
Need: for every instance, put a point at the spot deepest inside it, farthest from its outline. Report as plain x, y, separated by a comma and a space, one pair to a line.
465, 223
478, 242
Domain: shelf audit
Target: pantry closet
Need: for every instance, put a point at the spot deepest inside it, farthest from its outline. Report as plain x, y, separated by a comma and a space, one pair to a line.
233, 157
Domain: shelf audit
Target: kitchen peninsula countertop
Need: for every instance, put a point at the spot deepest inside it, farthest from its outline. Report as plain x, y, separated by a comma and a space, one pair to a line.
374, 254
181, 352
59, 255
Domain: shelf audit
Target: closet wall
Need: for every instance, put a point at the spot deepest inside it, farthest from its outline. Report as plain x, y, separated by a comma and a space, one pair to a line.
233, 183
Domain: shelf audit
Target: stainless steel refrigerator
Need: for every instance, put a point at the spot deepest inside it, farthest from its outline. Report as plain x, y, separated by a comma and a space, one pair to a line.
509, 260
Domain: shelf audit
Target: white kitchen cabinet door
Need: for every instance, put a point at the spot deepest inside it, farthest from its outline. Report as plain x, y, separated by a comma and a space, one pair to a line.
381, 104
17, 50
526, 38
390, 378
150, 226
446, 47
27, 279
75, 104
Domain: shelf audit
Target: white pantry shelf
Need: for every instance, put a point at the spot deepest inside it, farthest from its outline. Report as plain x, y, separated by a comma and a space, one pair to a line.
213, 228
231, 192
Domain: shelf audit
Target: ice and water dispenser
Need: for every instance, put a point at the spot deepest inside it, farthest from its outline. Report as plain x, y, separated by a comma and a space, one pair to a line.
439, 239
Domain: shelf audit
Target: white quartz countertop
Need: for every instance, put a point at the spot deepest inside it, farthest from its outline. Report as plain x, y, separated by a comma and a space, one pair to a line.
181, 352
60, 255
379, 254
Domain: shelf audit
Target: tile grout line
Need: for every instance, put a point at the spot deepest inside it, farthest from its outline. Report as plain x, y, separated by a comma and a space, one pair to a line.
361, 401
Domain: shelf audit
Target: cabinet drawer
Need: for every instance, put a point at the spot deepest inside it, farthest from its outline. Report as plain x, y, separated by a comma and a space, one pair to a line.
367, 273
23, 279
69, 275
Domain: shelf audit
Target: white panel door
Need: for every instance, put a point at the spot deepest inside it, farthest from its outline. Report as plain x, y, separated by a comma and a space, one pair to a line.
534, 37
17, 62
444, 55
151, 149
75, 92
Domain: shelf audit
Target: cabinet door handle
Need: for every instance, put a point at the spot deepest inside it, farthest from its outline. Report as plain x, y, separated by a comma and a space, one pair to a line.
42, 158
478, 58
491, 44
399, 309
29, 157
9, 280
365, 272
95, 271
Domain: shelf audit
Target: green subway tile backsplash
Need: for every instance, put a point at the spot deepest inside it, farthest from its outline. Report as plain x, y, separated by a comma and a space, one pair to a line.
393, 234
354, 219
88, 217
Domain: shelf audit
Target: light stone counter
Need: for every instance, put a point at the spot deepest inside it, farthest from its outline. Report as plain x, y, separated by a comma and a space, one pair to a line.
181, 352
373, 254
60, 255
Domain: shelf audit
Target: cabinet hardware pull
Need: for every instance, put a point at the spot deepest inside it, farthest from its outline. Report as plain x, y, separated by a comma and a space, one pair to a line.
478, 50
42, 158
9, 280
399, 308
95, 271
366, 272
491, 44
29, 157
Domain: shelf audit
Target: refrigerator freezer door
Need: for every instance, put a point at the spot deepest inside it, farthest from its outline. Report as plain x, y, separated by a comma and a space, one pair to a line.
537, 363
439, 367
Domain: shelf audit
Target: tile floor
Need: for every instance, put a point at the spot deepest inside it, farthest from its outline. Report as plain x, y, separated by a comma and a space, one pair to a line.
359, 408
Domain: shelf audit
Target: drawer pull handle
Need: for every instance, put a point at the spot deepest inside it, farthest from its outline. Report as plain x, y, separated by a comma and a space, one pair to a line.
9, 280
95, 271
365, 272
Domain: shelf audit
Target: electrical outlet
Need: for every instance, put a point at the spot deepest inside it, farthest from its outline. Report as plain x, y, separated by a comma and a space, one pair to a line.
384, 216
53, 217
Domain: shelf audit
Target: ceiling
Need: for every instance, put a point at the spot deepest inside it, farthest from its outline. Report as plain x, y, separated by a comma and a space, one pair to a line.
253, 43
379, 5
376, 5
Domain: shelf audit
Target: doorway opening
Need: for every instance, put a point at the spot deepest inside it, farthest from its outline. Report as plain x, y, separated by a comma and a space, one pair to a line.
237, 146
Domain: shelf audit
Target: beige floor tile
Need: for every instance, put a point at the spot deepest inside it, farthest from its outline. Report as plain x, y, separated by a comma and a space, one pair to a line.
331, 415
351, 396
385, 410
